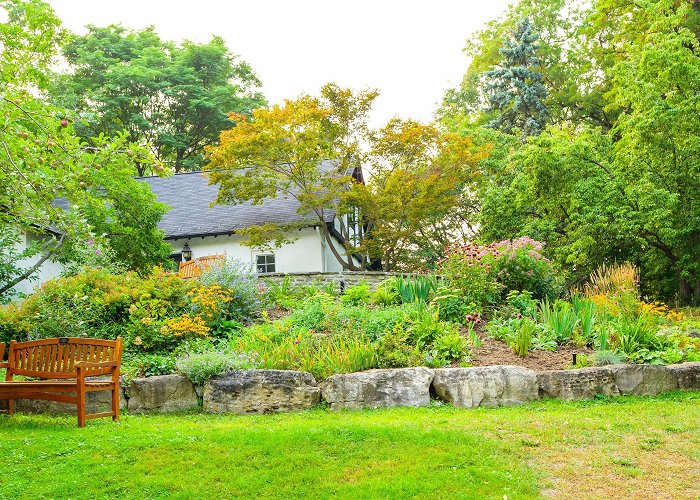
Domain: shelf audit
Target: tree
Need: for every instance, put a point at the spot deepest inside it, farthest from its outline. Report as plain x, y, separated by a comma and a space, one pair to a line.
280, 151
410, 204
621, 185
51, 182
173, 97
514, 90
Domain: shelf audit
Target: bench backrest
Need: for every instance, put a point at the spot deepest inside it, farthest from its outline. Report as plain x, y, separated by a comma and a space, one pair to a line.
56, 358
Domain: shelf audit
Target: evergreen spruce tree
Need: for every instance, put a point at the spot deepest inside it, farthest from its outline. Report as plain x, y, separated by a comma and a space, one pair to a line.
514, 90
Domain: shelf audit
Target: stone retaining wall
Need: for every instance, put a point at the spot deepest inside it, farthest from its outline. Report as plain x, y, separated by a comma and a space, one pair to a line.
268, 391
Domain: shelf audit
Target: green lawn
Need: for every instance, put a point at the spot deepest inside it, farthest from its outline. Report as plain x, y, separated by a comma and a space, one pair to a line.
641, 447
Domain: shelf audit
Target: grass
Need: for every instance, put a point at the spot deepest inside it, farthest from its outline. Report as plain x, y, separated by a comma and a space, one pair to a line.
611, 448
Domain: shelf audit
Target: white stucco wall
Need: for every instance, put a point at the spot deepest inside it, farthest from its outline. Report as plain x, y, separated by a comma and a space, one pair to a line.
303, 255
48, 270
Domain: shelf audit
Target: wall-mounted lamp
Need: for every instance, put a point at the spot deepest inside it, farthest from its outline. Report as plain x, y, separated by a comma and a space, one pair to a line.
186, 253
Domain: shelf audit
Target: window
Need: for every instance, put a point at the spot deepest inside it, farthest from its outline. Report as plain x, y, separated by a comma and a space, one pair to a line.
265, 263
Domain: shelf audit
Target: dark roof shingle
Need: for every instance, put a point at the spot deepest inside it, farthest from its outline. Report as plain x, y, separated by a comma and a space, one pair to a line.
189, 196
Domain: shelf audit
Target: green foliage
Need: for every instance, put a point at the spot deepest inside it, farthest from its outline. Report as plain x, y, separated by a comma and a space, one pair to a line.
176, 97
396, 349
320, 354
415, 288
200, 367
522, 342
615, 176
485, 274
448, 348
147, 365
44, 160
357, 295
515, 89
605, 357
452, 306
239, 279
585, 310
387, 293
559, 318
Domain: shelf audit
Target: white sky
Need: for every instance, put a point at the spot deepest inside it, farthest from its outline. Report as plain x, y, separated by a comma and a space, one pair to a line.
410, 50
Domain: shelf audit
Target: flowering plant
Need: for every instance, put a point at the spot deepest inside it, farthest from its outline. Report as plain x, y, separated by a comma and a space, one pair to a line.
486, 273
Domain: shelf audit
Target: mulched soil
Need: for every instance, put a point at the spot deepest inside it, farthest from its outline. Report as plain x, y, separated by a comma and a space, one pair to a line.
495, 352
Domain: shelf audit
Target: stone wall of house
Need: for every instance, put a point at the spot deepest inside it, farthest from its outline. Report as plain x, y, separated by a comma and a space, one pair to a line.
342, 280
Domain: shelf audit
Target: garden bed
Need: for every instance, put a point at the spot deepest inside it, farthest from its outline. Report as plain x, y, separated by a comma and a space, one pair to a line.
494, 352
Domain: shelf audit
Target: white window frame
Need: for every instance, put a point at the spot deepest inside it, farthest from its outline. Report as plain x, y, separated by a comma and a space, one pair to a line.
265, 264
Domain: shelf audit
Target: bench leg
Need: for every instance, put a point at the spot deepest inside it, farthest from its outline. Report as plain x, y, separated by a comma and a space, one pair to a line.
81, 405
115, 403
10, 406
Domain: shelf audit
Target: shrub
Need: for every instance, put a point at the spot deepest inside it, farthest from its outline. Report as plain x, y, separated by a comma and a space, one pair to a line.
396, 350
242, 285
98, 304
450, 347
451, 306
356, 295
487, 273
147, 365
387, 293
200, 367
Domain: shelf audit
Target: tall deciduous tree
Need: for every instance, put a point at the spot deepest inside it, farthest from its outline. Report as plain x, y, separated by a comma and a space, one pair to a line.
619, 180
410, 205
174, 97
280, 152
51, 182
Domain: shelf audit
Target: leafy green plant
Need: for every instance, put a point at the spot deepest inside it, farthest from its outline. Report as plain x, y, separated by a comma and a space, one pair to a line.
237, 277
605, 357
415, 288
396, 349
560, 318
387, 293
636, 334
586, 314
450, 347
356, 295
451, 306
200, 367
320, 354
473, 337
522, 341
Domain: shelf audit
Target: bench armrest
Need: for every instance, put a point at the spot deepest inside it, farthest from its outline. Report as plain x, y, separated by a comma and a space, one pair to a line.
6, 364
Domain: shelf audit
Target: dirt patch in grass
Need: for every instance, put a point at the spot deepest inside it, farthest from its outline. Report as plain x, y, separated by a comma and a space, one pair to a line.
495, 352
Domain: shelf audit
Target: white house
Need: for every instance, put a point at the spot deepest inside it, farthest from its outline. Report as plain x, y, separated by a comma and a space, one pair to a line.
195, 224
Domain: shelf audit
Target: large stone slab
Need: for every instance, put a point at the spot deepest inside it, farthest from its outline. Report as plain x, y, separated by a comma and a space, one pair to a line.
583, 383
644, 380
379, 388
95, 402
162, 394
261, 391
486, 386
687, 375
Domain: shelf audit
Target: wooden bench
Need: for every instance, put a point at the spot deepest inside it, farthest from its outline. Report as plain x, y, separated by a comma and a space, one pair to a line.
65, 366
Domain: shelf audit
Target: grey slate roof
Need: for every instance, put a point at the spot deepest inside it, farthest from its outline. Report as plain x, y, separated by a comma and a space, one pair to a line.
189, 196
